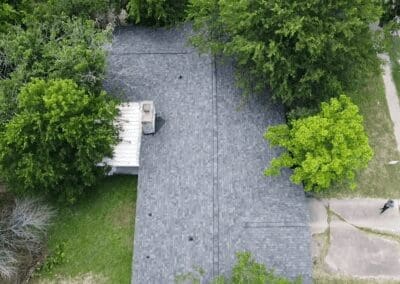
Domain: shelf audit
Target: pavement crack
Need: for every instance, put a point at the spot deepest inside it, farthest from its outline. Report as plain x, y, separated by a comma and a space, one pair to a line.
377, 233
325, 237
370, 231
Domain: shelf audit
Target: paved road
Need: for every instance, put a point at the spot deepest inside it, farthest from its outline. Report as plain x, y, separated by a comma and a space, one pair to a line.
202, 195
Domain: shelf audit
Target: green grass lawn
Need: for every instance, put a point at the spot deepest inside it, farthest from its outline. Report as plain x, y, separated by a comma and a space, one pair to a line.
96, 235
379, 179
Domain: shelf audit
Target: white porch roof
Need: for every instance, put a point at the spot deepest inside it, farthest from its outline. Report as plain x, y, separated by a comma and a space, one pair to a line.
127, 151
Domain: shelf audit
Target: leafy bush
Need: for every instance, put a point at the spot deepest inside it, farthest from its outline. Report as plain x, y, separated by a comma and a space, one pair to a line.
157, 12
8, 15
391, 10
63, 48
23, 227
150, 12
56, 257
305, 51
247, 270
57, 137
49, 43
324, 148
81, 8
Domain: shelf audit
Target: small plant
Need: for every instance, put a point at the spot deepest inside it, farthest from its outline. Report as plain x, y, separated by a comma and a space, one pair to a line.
245, 271
56, 257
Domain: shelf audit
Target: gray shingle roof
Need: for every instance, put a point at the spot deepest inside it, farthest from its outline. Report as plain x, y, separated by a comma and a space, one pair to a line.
202, 195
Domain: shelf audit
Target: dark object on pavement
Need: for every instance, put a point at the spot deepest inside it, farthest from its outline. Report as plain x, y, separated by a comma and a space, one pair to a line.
388, 204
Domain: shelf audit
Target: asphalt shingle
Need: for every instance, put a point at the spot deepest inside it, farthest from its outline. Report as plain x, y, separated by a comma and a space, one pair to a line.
202, 195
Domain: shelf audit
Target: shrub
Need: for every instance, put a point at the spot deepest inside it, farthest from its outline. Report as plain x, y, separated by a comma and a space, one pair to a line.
23, 227
76, 52
157, 12
56, 257
391, 10
53, 143
102, 12
324, 148
8, 16
8, 261
62, 48
81, 8
305, 51
247, 270
27, 223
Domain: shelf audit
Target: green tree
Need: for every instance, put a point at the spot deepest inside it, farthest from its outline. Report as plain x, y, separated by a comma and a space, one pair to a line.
57, 137
157, 12
322, 149
391, 10
61, 48
306, 51
81, 8
8, 15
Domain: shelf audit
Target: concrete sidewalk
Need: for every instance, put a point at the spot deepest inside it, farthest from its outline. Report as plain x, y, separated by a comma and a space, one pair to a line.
351, 239
391, 97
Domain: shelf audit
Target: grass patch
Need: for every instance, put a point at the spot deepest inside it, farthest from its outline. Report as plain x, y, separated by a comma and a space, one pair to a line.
379, 179
96, 234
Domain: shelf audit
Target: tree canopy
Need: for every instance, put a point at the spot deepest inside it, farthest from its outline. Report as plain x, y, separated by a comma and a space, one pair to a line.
391, 10
324, 148
306, 51
57, 137
157, 12
63, 47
